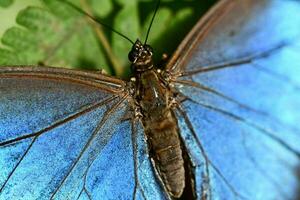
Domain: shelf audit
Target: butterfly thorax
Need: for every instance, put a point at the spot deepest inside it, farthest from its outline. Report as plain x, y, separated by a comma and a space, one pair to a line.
159, 121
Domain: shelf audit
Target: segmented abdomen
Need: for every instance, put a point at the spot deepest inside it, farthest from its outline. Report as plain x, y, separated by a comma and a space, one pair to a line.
165, 145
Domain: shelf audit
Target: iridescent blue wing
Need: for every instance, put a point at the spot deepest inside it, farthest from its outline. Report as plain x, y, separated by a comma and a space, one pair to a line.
238, 70
62, 135
131, 176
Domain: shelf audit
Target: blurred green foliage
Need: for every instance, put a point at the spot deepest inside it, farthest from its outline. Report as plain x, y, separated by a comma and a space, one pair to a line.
52, 33
6, 3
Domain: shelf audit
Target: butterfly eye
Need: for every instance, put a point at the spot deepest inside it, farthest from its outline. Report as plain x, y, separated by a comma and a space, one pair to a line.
132, 56
148, 49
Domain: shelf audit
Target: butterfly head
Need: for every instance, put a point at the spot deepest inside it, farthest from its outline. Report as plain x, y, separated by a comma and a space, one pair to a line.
141, 56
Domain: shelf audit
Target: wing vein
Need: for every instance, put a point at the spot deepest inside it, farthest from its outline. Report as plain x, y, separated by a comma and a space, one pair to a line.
263, 172
219, 94
230, 99
207, 160
14, 169
99, 126
235, 63
276, 75
266, 132
84, 110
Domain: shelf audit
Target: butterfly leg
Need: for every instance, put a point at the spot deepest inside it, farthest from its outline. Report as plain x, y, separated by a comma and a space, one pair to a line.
163, 62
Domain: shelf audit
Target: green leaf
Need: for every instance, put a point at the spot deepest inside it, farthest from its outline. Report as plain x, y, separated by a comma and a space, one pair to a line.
54, 38
8, 14
53, 33
6, 3
101, 8
126, 22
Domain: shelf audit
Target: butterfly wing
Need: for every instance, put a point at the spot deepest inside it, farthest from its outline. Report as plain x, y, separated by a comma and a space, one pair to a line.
124, 181
50, 122
243, 60
65, 134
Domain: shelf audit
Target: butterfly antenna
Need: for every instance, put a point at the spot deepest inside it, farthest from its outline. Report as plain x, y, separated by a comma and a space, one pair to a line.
149, 28
97, 21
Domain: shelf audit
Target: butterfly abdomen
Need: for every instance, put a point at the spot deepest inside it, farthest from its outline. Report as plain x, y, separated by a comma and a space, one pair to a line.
165, 146
159, 122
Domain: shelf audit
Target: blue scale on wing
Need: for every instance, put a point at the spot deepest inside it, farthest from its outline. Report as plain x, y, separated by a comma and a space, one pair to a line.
259, 27
243, 103
112, 175
49, 159
73, 142
241, 155
196, 154
76, 181
54, 101
50, 134
65, 140
150, 187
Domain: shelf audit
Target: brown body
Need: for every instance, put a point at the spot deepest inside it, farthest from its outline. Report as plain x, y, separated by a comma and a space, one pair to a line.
161, 129
152, 95
163, 140
162, 132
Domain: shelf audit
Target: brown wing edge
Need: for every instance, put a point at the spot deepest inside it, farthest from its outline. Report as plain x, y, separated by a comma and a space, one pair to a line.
88, 78
198, 33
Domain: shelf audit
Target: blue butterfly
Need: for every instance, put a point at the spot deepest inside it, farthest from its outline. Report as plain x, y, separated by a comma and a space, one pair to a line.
232, 89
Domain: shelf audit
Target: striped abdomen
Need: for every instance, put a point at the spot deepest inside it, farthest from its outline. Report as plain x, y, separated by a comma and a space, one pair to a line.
165, 146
